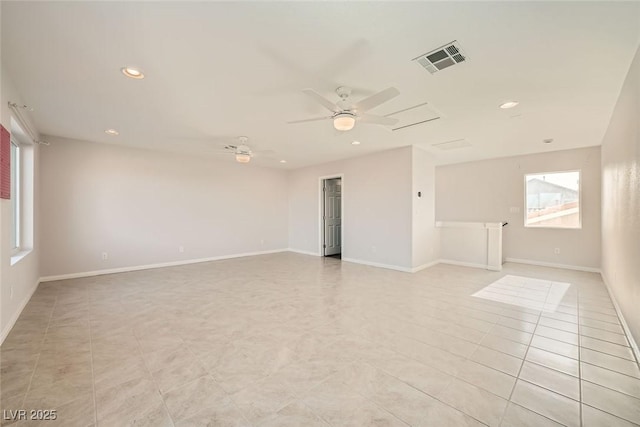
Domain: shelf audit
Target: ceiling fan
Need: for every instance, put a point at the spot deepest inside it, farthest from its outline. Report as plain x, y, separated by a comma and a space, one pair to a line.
345, 113
242, 151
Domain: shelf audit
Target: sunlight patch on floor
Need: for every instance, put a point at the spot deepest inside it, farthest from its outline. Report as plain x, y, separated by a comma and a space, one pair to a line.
528, 292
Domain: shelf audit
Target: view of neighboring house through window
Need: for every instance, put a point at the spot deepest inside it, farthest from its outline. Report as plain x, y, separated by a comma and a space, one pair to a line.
553, 200
15, 197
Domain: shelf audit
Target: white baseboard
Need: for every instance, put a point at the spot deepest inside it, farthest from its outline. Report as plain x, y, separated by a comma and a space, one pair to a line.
16, 315
425, 266
625, 326
373, 264
300, 251
554, 265
462, 263
150, 266
380, 265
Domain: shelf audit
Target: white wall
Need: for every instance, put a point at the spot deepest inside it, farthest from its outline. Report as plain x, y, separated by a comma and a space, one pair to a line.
377, 208
621, 200
23, 276
139, 206
484, 191
425, 244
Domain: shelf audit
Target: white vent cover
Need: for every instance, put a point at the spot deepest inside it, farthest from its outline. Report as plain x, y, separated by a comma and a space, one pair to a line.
442, 57
452, 145
414, 115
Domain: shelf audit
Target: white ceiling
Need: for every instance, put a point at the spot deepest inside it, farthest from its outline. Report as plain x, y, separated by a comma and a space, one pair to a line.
226, 69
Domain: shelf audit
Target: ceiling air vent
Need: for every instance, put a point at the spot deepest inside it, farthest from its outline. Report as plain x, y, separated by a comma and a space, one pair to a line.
452, 145
442, 57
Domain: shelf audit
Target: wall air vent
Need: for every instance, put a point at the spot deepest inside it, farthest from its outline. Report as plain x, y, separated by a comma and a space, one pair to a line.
442, 57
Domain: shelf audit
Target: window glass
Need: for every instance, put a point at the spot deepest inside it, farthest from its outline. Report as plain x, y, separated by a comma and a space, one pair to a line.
15, 196
553, 200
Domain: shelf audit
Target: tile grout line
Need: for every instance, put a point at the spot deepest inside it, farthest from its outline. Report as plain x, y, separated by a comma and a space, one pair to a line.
592, 349
368, 399
534, 362
313, 412
479, 343
581, 380
227, 394
610, 369
524, 359
24, 399
93, 376
316, 386
453, 377
467, 358
612, 389
579, 361
144, 362
540, 316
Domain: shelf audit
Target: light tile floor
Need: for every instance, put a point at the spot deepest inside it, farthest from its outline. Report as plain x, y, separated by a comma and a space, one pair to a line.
293, 340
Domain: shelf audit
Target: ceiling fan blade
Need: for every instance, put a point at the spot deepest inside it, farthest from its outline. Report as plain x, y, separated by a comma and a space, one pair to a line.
377, 99
264, 154
322, 100
378, 120
220, 151
315, 119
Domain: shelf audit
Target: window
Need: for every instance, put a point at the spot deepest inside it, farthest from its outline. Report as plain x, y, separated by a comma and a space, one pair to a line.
15, 197
22, 191
553, 200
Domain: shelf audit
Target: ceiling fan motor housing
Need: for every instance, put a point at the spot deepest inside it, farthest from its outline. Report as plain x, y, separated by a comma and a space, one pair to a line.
343, 92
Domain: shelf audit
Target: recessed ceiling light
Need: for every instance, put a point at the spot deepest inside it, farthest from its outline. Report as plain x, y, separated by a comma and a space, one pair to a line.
355, 143
283, 161
508, 104
112, 132
548, 140
132, 72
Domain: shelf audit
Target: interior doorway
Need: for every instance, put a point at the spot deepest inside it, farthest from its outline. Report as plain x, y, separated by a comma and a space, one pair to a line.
332, 217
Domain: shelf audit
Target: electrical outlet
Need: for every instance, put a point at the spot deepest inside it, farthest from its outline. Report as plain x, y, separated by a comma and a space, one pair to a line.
556, 251
11, 291
181, 249
373, 248
514, 209
105, 256
262, 241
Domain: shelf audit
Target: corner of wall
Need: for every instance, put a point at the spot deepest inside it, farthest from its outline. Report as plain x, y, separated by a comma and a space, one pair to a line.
620, 207
17, 281
424, 234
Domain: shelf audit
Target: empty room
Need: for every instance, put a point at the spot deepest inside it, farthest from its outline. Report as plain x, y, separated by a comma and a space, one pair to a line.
319, 213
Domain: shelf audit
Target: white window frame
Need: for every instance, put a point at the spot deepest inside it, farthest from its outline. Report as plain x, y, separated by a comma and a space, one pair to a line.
16, 198
23, 193
557, 227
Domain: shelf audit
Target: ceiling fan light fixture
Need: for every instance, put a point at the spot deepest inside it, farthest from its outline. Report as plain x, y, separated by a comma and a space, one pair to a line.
344, 121
243, 157
132, 73
508, 104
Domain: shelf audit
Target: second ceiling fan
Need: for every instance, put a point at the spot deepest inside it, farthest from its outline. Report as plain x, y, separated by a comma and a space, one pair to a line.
345, 113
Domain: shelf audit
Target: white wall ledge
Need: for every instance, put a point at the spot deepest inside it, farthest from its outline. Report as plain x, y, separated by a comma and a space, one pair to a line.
458, 224
19, 256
